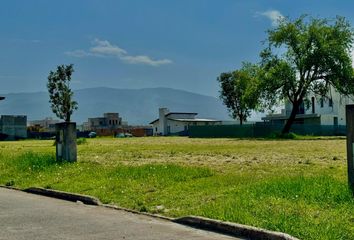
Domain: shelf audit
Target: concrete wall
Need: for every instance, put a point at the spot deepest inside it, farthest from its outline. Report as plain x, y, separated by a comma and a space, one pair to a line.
14, 126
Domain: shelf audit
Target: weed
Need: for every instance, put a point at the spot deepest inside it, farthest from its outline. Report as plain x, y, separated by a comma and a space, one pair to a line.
80, 141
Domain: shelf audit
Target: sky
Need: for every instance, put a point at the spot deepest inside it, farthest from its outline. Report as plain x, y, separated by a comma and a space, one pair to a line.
181, 44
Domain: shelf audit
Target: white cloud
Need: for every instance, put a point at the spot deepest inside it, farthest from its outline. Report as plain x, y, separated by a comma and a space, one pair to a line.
145, 60
103, 48
273, 16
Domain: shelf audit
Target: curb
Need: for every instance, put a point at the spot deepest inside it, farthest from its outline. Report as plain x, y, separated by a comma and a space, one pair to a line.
233, 229
228, 228
64, 195
140, 213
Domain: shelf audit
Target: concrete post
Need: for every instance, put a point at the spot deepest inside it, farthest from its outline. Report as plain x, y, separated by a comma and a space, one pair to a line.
350, 144
66, 141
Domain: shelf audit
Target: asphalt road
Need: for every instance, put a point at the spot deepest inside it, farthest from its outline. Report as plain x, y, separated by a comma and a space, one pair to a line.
28, 216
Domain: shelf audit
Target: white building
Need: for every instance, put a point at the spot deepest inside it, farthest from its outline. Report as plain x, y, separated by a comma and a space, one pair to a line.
321, 111
177, 123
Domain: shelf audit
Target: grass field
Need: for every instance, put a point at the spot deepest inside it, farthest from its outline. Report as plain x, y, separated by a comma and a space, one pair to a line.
294, 186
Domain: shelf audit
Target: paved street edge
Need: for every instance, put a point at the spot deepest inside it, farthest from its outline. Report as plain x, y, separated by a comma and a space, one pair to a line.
233, 229
73, 197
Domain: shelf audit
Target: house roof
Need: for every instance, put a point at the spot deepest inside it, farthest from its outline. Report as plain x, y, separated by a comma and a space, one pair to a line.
180, 113
170, 113
193, 120
154, 121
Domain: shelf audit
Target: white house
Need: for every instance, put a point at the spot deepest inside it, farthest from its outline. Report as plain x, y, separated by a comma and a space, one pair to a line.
177, 123
321, 111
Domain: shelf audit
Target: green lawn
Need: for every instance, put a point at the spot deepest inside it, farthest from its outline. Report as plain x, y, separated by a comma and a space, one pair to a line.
294, 186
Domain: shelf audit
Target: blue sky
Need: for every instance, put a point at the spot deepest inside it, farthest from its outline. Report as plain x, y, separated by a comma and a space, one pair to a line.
182, 44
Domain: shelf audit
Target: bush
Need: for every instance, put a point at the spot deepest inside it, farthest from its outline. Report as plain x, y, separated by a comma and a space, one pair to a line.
290, 135
80, 141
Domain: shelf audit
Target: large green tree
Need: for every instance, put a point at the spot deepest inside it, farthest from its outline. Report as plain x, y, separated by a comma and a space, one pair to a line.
60, 93
239, 91
307, 56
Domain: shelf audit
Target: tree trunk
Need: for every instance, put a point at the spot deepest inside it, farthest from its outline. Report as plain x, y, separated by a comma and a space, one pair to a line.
241, 120
67, 118
290, 121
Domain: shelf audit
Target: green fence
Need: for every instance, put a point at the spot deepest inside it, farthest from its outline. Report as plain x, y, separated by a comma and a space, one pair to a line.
262, 130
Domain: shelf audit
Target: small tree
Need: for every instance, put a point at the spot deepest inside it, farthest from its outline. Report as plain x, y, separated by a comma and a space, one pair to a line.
239, 91
307, 56
60, 94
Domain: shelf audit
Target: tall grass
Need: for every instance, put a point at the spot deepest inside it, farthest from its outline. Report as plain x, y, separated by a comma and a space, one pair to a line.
297, 187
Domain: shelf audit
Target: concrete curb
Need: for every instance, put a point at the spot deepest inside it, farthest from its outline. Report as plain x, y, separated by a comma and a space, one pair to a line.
137, 212
64, 195
233, 229
228, 228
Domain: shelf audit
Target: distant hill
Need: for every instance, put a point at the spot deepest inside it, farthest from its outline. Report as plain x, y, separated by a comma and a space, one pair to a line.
137, 106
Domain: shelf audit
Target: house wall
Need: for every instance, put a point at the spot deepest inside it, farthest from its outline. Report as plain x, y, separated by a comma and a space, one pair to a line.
312, 121
176, 126
162, 122
109, 121
327, 112
14, 126
48, 124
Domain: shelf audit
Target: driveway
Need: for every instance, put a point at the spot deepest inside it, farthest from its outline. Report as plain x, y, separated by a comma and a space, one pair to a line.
28, 216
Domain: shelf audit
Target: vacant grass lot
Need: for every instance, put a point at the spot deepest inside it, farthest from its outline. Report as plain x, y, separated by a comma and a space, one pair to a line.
294, 186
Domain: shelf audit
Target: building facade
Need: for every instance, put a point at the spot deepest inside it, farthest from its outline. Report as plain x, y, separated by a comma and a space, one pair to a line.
13, 127
108, 121
177, 123
47, 124
317, 110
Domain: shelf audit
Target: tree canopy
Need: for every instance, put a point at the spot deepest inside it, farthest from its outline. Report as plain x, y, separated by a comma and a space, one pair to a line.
60, 93
239, 91
306, 56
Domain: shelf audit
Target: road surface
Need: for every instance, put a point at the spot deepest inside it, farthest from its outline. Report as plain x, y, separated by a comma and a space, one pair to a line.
28, 216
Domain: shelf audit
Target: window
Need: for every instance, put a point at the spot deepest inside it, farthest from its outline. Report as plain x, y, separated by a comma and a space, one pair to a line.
330, 102
321, 102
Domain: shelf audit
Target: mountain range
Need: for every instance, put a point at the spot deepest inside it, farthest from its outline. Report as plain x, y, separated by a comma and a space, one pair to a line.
136, 106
